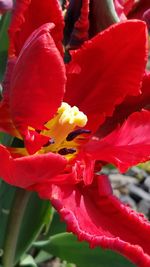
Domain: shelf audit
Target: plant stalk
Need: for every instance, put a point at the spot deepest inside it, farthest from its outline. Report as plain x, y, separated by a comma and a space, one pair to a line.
14, 224
102, 15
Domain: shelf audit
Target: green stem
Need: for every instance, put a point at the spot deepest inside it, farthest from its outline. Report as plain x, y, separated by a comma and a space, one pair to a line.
3, 31
14, 224
102, 15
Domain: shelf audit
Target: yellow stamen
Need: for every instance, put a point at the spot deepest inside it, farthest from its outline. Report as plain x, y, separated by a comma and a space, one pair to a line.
65, 121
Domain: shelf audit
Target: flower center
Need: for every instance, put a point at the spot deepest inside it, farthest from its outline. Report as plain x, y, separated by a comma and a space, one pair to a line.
65, 131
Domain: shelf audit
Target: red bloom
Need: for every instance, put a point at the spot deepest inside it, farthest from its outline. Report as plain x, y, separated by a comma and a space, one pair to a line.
61, 154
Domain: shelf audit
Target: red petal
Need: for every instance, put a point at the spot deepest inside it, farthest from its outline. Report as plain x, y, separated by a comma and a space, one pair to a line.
29, 170
126, 146
85, 166
7, 78
38, 81
71, 16
33, 141
120, 9
79, 12
127, 107
6, 123
123, 7
146, 17
129, 5
95, 215
80, 169
106, 69
30, 15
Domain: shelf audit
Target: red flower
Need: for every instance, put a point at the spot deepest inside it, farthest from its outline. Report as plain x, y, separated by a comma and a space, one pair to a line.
61, 152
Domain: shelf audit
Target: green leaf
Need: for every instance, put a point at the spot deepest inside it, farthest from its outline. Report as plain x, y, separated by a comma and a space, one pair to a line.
3, 43
6, 196
66, 264
28, 261
4, 23
3, 60
56, 226
66, 247
6, 139
70, 265
34, 220
42, 256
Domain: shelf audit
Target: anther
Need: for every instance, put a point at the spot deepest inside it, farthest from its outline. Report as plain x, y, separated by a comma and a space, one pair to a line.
66, 151
77, 132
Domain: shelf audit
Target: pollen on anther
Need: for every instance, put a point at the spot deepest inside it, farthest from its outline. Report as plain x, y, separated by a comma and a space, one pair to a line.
71, 115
